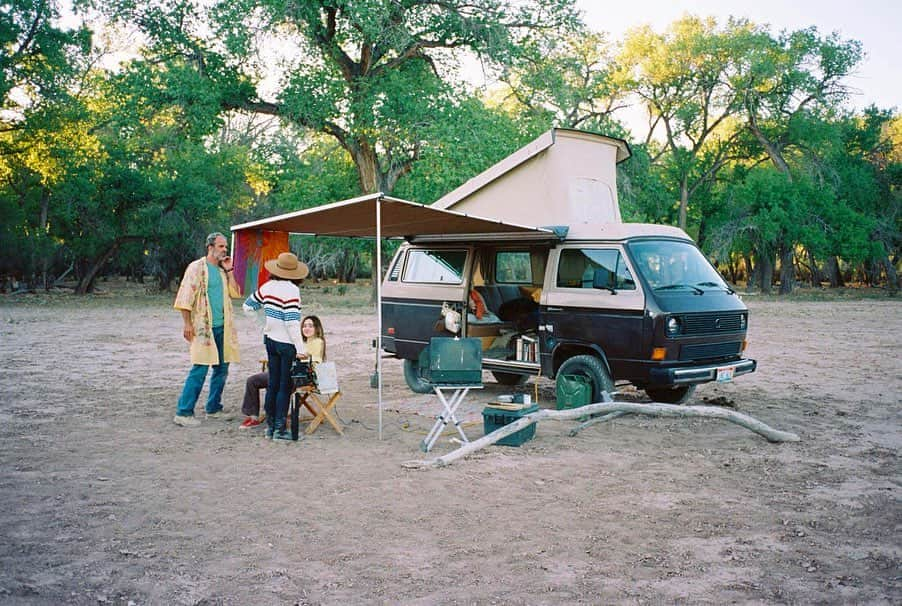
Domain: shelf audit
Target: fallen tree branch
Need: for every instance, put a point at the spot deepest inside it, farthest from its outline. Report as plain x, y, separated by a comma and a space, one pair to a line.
609, 409
595, 420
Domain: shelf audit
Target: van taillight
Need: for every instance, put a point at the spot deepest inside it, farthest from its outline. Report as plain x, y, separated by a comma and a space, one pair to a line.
391, 330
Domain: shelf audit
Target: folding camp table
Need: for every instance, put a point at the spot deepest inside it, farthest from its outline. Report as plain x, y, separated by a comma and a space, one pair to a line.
451, 397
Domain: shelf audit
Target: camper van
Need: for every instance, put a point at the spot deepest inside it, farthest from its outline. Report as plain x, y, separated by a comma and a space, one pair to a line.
592, 296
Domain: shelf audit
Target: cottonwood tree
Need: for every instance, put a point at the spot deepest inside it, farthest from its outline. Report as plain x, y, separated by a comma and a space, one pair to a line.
681, 76
781, 81
375, 76
40, 63
861, 163
157, 179
568, 80
372, 75
38, 60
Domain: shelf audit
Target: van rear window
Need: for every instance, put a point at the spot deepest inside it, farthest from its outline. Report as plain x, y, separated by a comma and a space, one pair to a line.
435, 266
513, 267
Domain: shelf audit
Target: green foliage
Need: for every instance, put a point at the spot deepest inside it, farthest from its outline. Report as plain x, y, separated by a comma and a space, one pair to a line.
568, 79
467, 139
126, 170
36, 57
682, 77
373, 74
642, 191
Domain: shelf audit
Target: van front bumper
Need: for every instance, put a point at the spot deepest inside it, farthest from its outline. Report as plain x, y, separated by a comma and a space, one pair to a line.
700, 374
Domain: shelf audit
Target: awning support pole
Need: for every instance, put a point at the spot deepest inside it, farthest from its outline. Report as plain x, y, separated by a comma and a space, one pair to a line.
378, 278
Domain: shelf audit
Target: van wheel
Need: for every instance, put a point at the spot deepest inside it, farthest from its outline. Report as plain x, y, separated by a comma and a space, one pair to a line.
509, 378
593, 369
414, 379
671, 395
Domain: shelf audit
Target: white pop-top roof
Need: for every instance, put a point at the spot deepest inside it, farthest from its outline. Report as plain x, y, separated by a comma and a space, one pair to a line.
564, 177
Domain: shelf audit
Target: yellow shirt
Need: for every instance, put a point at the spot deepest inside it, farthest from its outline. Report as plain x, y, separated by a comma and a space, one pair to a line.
316, 348
192, 296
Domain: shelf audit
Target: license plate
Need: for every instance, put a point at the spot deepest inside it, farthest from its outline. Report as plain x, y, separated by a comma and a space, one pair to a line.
725, 374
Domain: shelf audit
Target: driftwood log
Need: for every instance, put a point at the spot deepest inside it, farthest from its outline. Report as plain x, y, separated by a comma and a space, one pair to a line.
609, 410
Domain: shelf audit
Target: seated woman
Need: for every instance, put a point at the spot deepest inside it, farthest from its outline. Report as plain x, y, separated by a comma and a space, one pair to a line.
315, 343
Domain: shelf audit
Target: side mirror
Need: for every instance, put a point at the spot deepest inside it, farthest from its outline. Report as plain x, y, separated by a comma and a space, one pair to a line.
601, 280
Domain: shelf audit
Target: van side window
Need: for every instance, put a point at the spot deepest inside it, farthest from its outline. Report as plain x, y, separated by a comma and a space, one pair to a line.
513, 267
435, 266
576, 268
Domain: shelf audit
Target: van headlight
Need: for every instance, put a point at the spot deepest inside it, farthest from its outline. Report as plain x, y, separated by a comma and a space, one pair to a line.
743, 321
673, 326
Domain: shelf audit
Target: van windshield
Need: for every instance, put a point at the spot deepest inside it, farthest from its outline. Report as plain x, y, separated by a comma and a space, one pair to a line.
673, 265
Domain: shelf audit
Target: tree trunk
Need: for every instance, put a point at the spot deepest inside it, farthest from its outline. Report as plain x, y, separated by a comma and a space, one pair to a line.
89, 276
772, 151
815, 275
367, 166
610, 408
45, 254
751, 273
86, 283
684, 203
347, 267
733, 268
164, 280
766, 273
786, 270
834, 273
892, 278
871, 272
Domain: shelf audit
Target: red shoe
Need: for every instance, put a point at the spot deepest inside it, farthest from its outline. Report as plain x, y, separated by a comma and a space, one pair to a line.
250, 422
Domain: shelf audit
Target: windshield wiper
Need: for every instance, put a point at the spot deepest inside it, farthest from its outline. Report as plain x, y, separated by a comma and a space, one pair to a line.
697, 290
716, 285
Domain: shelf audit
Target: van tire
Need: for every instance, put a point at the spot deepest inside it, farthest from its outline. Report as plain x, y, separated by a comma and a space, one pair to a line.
671, 395
415, 381
509, 378
593, 369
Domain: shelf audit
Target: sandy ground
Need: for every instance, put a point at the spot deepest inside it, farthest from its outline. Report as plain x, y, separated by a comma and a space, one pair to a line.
103, 500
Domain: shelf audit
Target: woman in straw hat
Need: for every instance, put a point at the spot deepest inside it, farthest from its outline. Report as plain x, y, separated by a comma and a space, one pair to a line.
280, 300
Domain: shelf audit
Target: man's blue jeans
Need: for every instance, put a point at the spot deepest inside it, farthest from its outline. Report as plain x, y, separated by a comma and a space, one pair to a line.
195, 382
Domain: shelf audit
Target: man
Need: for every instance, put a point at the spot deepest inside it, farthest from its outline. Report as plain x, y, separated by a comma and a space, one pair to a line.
204, 298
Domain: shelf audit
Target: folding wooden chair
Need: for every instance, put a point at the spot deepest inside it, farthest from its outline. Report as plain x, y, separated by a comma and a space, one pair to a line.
311, 398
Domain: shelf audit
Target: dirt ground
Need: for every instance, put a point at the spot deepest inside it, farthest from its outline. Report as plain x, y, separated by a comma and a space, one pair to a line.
103, 500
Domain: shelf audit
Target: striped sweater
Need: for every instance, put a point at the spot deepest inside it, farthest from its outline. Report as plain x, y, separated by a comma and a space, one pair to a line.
281, 304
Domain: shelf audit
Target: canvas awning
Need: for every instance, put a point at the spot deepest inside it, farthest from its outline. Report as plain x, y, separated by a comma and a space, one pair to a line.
379, 216
398, 219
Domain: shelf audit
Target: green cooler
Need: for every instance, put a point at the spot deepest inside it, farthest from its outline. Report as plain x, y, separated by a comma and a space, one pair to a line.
493, 418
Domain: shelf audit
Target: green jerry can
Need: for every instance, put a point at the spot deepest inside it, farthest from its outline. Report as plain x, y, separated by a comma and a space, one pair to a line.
453, 361
573, 391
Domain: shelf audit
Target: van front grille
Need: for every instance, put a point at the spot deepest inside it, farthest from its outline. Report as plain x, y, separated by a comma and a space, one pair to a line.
704, 324
706, 351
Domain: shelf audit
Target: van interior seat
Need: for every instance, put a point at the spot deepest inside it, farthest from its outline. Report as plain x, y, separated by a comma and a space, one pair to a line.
490, 325
495, 295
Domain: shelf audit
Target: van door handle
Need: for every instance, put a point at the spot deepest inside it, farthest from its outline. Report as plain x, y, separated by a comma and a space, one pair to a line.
555, 309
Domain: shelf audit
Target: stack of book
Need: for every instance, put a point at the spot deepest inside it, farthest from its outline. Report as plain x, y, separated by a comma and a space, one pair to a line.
526, 348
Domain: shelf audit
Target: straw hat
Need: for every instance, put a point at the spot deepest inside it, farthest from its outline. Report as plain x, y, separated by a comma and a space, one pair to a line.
287, 266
